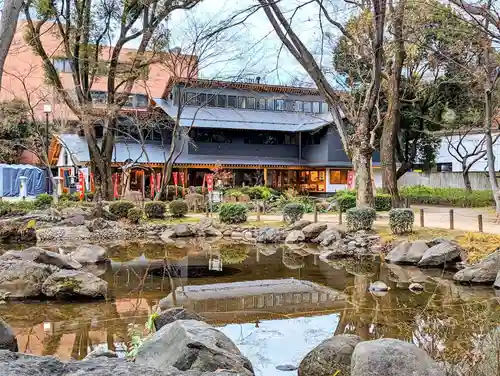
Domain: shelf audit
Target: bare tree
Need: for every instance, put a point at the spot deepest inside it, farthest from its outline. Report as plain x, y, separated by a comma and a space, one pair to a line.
84, 28
467, 157
485, 16
8, 25
39, 136
359, 143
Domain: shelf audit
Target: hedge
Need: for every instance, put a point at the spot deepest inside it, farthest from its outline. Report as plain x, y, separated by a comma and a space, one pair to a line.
155, 209
293, 212
43, 201
347, 200
232, 213
120, 208
360, 219
178, 208
401, 220
456, 197
134, 215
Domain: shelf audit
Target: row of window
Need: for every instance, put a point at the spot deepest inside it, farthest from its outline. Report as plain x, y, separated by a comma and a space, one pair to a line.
63, 65
133, 101
267, 138
252, 103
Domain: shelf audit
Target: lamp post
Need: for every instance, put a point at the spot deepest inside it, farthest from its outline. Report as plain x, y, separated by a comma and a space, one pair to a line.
47, 109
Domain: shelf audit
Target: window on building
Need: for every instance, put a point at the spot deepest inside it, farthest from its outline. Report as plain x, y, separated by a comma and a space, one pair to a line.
307, 107
280, 104
251, 103
221, 100
338, 176
201, 99
190, 98
289, 105
141, 100
211, 100
232, 101
262, 104
299, 106
66, 158
270, 104
129, 102
62, 65
313, 138
316, 108
290, 139
242, 102
98, 97
444, 167
324, 108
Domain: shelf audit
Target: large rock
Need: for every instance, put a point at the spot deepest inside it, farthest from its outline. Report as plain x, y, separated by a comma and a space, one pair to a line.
295, 236
407, 253
330, 356
73, 212
41, 256
77, 220
101, 352
496, 284
327, 237
62, 233
269, 235
8, 340
89, 254
173, 314
167, 235
16, 364
183, 230
299, 225
23, 279
442, 253
192, 345
72, 283
485, 271
391, 357
313, 230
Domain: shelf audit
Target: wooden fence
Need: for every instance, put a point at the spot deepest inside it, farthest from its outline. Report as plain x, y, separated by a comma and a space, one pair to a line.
479, 180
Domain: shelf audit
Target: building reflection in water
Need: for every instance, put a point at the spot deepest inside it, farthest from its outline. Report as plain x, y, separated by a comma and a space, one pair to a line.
265, 299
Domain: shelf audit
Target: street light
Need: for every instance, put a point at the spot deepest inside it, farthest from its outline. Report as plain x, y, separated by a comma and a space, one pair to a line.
47, 109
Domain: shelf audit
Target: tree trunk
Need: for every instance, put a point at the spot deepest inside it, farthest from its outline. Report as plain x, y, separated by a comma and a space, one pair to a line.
392, 119
364, 186
8, 26
468, 186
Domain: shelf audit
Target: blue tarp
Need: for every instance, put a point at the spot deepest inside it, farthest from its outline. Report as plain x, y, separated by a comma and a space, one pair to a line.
10, 182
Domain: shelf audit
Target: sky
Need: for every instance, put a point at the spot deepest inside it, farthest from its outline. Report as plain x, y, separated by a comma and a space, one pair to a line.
261, 52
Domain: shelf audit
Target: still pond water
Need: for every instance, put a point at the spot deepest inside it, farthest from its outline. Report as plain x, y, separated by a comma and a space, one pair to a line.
276, 303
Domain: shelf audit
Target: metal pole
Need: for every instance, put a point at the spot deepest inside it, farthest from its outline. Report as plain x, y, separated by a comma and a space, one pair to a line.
452, 220
421, 217
480, 222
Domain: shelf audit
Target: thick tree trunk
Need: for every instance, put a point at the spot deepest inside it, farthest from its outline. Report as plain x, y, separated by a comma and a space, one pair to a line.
468, 185
8, 25
364, 185
392, 119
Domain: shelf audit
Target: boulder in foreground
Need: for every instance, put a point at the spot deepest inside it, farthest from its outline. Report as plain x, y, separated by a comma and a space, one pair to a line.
192, 345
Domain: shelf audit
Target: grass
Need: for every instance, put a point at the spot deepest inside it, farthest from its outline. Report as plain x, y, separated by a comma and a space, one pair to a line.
418, 233
478, 245
173, 221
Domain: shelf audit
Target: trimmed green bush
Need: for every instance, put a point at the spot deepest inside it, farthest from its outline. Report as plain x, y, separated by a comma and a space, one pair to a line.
134, 215
155, 209
4, 208
120, 208
178, 208
232, 213
456, 197
171, 192
345, 200
293, 212
401, 220
383, 202
89, 196
259, 192
360, 218
43, 201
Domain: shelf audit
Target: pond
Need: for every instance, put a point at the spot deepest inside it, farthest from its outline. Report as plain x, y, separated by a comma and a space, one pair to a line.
275, 302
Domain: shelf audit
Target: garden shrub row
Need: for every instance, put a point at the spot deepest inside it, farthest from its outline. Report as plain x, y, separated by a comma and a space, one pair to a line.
347, 200
456, 197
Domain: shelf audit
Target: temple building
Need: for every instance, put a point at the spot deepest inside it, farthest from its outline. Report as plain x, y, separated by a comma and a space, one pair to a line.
279, 136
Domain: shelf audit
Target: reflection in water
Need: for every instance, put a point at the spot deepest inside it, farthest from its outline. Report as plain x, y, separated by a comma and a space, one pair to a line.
265, 298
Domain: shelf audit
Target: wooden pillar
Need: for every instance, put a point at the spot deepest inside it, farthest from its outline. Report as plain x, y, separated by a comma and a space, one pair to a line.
282, 179
265, 176
297, 180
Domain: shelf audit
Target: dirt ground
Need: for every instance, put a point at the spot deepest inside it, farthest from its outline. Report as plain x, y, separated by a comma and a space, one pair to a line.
465, 219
